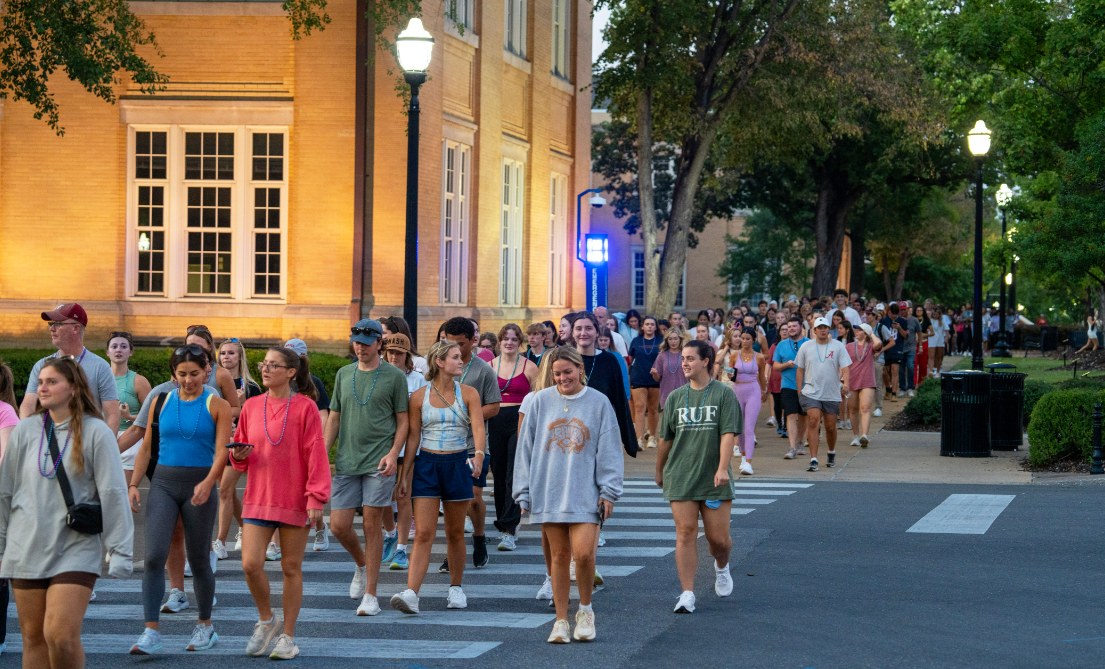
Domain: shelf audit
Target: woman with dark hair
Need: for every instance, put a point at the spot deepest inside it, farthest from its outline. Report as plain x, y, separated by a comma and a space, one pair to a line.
282, 450
564, 332
922, 365
550, 335
646, 390
131, 386
632, 325
396, 325
53, 566
188, 466
218, 378
745, 367
440, 334
489, 343
692, 466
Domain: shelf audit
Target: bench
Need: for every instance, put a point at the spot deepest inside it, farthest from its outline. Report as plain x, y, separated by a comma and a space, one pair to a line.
1030, 343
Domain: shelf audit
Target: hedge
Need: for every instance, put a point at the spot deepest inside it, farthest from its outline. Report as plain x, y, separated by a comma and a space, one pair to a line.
153, 363
1061, 426
924, 407
925, 404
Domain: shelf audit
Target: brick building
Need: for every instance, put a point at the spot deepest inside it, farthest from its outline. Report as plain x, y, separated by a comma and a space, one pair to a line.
263, 191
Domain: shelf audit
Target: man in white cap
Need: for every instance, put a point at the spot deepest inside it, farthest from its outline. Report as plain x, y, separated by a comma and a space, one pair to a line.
67, 324
822, 363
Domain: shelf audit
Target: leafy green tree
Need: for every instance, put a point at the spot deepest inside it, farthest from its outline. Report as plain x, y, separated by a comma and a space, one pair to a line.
768, 257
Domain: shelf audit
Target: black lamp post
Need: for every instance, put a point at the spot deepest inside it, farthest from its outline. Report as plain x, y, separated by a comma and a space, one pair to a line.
978, 140
414, 47
1001, 348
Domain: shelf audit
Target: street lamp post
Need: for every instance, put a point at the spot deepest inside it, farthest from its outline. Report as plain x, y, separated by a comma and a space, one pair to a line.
414, 47
1001, 348
978, 141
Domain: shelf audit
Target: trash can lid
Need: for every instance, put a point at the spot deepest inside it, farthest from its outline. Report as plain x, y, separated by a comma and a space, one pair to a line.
1000, 366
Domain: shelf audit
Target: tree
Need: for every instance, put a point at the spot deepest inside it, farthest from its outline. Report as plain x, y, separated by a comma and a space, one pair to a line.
679, 68
768, 257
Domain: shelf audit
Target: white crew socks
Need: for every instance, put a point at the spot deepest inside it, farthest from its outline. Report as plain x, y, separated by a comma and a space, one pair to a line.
832, 452
401, 547
723, 568
584, 607
267, 622
392, 534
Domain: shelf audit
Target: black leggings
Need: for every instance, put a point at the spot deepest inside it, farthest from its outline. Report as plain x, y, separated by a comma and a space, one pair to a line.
3, 609
502, 441
171, 497
778, 405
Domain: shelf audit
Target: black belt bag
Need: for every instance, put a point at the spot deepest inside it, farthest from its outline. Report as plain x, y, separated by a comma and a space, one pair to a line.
83, 518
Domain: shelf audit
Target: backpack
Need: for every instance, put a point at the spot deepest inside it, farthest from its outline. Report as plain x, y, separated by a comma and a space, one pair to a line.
155, 434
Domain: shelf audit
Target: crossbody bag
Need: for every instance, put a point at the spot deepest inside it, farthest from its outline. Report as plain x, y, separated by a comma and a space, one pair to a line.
83, 518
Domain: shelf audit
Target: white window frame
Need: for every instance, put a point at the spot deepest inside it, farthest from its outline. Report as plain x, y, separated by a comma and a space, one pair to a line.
282, 230
453, 257
136, 184
462, 12
176, 212
637, 280
561, 45
558, 239
512, 223
514, 26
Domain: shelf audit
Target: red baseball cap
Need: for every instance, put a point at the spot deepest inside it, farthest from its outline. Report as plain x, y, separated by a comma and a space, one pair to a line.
903, 305
64, 311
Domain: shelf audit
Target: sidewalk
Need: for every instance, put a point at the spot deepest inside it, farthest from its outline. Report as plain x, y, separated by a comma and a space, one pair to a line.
907, 457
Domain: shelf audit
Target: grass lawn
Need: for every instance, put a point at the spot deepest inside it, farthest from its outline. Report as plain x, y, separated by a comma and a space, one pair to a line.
1036, 368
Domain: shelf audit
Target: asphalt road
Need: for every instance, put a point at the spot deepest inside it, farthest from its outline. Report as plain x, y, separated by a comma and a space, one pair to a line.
826, 575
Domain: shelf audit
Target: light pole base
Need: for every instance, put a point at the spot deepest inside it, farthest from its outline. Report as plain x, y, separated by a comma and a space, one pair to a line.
1001, 348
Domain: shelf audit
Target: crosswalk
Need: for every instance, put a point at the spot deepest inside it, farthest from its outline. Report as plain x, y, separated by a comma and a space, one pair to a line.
501, 595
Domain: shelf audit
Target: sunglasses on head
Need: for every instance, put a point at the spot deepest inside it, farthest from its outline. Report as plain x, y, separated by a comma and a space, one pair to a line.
365, 331
191, 348
232, 340
192, 329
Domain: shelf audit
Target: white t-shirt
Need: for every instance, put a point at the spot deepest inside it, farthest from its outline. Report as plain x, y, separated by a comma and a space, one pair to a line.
420, 366
937, 338
619, 343
850, 314
822, 364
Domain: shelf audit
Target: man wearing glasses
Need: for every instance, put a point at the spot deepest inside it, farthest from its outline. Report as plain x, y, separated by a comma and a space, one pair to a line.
368, 422
67, 324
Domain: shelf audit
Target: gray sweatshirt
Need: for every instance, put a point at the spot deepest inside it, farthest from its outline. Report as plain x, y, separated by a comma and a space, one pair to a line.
566, 460
32, 508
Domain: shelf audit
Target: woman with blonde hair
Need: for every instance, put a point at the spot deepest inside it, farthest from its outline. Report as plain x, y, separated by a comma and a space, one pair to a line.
53, 556
568, 475
668, 370
441, 430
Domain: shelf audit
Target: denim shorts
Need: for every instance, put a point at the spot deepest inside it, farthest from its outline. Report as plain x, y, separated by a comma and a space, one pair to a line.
271, 524
442, 476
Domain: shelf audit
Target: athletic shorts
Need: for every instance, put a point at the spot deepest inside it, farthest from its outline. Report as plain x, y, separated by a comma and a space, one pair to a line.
791, 405
891, 360
481, 481
85, 578
356, 490
271, 524
831, 408
442, 476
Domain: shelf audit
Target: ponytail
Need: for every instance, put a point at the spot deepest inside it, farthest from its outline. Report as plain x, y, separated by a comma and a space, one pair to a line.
301, 382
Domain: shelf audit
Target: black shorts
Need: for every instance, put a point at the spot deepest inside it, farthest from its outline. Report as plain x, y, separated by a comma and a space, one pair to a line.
791, 405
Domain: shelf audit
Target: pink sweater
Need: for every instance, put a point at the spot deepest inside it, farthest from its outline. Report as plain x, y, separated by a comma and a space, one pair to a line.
294, 475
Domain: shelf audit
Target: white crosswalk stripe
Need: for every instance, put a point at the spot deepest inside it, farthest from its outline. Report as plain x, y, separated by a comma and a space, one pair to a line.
641, 529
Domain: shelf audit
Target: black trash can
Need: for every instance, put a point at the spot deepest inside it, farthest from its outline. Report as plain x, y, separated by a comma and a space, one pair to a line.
1006, 407
965, 414
1049, 338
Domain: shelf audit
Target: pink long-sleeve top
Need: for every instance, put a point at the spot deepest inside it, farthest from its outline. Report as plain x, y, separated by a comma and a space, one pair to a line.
290, 476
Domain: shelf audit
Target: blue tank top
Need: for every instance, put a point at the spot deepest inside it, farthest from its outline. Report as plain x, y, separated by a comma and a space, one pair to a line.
187, 431
447, 430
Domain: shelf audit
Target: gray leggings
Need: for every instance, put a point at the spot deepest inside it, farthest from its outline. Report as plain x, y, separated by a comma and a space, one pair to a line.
170, 497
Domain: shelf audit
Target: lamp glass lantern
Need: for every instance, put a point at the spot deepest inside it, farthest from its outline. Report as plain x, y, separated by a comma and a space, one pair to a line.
1004, 196
978, 139
596, 249
414, 47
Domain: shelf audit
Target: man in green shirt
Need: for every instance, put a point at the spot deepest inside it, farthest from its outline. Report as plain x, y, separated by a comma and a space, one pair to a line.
368, 422
699, 424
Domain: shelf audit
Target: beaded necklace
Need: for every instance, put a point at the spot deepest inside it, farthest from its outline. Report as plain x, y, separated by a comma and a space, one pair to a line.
645, 348
287, 408
499, 364
752, 362
817, 349
449, 405
469, 366
705, 392
594, 360
43, 461
866, 349
179, 401
374, 377
667, 363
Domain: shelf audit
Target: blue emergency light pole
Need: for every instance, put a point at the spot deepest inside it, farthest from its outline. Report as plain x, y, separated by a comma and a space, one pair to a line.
595, 254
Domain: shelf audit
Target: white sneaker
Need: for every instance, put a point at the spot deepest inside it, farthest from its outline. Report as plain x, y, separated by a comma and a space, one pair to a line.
177, 602
220, 549
285, 648
545, 593
238, 540
746, 468
360, 582
322, 542
507, 542
272, 553
863, 441
901, 393
723, 581
468, 527
187, 569
855, 442
147, 644
847, 423
406, 601
685, 603
840, 425
878, 413
92, 597
560, 632
263, 634
456, 599
203, 637
369, 606
771, 421
912, 394
585, 626
651, 442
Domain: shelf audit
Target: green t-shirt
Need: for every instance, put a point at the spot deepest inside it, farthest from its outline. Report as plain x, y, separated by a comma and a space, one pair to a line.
695, 426
367, 428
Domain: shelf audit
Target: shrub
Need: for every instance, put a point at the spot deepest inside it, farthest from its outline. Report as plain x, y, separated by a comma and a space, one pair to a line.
1061, 426
1033, 391
925, 404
